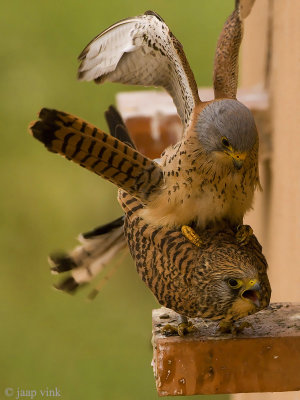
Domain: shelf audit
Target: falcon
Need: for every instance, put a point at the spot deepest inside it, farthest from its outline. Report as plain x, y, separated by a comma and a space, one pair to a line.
210, 175
220, 280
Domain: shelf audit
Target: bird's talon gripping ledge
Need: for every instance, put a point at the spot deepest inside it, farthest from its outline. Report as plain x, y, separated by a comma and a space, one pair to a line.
191, 235
231, 327
181, 329
243, 234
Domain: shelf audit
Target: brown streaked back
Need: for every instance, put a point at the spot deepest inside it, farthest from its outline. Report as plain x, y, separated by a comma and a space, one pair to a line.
186, 278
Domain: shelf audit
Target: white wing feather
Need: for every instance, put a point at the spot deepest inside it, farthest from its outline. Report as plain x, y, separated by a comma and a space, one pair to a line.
142, 51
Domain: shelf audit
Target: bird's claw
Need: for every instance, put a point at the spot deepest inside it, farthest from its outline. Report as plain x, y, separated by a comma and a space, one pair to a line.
185, 327
243, 234
181, 329
230, 327
191, 235
240, 328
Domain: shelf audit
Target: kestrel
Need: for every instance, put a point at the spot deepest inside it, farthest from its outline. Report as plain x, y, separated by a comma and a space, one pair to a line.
220, 280
210, 176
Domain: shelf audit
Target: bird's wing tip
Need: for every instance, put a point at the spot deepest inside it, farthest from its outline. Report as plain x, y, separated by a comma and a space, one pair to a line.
150, 12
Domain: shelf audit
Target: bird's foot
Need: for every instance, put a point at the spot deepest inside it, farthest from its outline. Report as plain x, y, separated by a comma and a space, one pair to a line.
243, 234
191, 235
181, 329
230, 327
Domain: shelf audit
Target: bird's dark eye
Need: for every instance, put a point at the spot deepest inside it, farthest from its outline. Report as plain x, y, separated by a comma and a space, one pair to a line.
233, 283
225, 142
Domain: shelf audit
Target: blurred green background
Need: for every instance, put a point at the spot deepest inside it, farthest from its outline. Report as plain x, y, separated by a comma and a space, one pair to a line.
102, 349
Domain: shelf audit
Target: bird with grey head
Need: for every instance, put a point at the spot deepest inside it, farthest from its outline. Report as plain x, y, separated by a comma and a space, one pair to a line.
210, 175
228, 127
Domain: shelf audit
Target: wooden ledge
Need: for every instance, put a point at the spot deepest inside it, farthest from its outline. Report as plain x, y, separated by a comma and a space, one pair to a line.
152, 119
263, 359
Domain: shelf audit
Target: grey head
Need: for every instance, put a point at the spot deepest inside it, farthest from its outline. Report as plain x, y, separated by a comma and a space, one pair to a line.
226, 125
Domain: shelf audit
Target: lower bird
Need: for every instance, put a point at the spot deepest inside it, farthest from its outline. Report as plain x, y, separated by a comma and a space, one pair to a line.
220, 280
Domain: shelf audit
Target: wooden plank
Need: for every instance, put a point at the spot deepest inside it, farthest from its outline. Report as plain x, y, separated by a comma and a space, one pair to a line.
264, 358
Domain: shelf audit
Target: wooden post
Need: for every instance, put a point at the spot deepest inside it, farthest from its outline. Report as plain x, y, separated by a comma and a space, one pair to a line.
264, 358
271, 60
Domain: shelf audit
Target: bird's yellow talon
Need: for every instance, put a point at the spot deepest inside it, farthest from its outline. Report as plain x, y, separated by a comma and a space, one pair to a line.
231, 327
191, 235
169, 330
225, 327
242, 326
181, 329
243, 234
185, 328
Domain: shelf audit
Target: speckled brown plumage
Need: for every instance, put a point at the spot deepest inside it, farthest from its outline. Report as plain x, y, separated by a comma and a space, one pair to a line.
210, 176
201, 190
192, 280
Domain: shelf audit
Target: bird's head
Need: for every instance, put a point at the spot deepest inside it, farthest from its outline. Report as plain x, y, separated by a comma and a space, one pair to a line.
227, 131
242, 294
232, 280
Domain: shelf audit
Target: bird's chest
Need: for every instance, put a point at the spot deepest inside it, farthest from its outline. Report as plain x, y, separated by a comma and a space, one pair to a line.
208, 196
197, 189
222, 197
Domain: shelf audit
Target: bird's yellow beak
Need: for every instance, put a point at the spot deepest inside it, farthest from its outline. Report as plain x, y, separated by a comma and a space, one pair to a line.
238, 157
251, 291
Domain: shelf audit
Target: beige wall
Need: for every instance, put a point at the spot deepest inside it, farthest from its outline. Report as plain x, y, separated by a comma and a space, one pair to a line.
271, 59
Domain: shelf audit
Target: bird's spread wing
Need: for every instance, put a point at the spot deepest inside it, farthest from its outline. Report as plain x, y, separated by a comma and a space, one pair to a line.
142, 51
227, 52
99, 152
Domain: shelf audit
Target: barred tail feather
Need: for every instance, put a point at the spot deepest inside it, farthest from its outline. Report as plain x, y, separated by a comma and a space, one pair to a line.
89, 259
99, 152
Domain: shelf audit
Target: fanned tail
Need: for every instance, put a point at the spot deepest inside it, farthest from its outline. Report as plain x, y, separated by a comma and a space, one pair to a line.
99, 152
98, 247
91, 148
